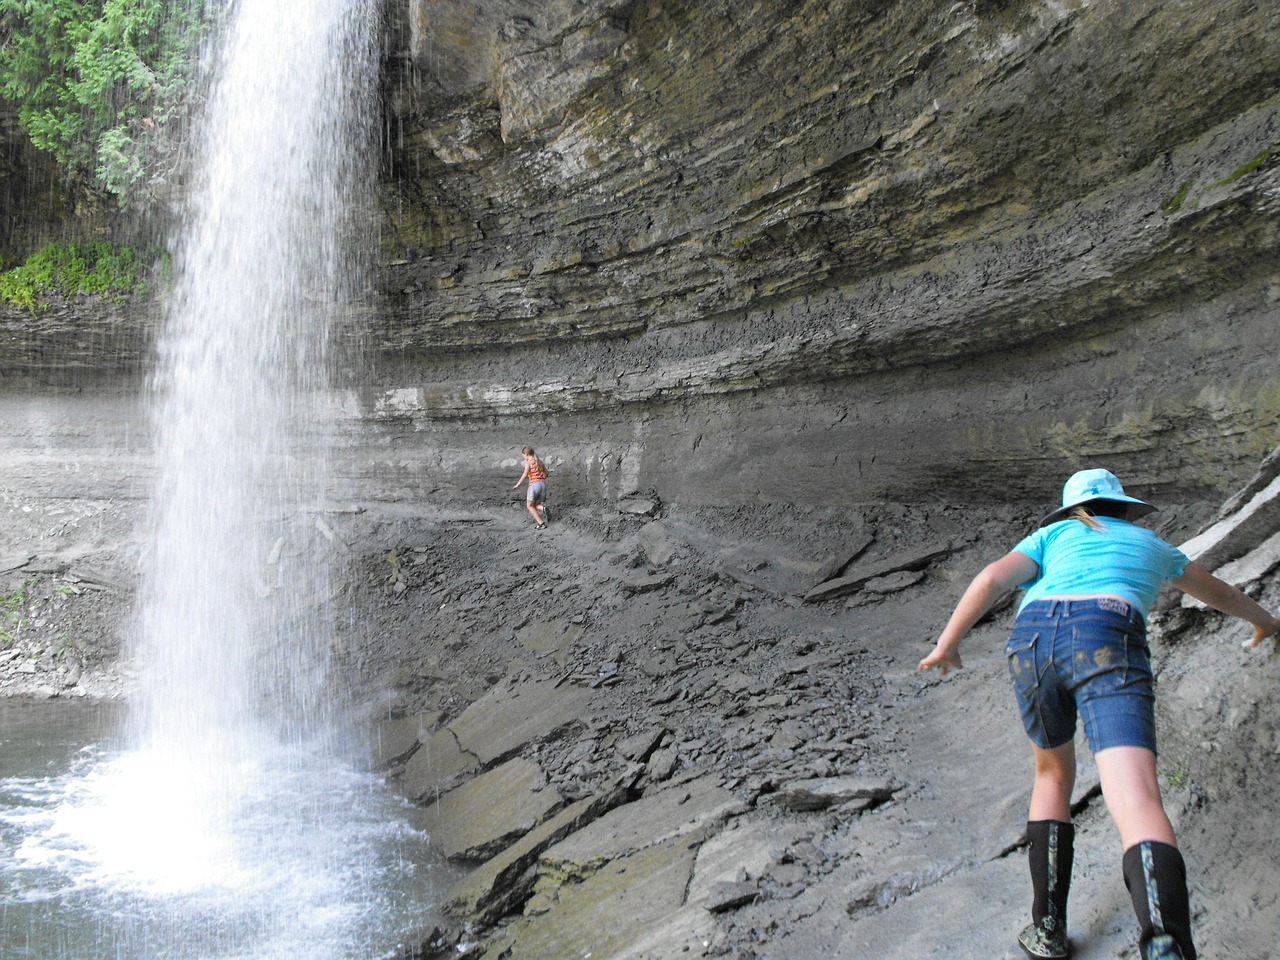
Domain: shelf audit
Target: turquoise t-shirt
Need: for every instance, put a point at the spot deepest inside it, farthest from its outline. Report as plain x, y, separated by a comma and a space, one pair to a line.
1122, 560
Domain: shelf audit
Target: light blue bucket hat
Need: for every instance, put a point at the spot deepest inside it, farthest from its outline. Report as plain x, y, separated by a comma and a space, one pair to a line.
1098, 484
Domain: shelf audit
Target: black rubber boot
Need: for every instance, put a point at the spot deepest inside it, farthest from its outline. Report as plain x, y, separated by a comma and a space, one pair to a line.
1156, 877
1050, 855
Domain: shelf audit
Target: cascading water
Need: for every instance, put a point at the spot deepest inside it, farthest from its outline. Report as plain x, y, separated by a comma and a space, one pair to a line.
226, 822
232, 647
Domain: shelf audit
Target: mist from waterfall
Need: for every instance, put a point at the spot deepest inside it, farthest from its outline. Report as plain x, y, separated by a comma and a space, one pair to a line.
228, 821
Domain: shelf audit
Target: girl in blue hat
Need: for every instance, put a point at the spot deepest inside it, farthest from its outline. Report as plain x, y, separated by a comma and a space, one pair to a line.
1079, 648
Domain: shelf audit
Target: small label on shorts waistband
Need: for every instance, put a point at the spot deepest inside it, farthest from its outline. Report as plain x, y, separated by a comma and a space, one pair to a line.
1113, 606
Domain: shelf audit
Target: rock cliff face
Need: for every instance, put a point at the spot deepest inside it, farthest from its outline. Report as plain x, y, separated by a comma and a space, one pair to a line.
823, 251
806, 251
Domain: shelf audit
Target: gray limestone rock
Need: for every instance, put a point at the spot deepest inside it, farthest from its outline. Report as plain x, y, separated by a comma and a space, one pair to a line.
640, 746
819, 794
507, 718
488, 812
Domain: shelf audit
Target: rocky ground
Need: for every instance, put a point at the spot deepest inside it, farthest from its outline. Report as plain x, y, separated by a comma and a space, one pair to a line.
651, 733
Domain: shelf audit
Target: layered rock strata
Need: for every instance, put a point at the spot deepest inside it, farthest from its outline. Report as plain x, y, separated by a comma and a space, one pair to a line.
810, 246
821, 252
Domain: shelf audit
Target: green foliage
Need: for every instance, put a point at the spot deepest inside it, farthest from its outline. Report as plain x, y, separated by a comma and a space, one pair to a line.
101, 84
12, 613
67, 269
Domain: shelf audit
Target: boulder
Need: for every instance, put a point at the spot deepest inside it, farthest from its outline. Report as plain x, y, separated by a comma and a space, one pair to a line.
639, 746
658, 544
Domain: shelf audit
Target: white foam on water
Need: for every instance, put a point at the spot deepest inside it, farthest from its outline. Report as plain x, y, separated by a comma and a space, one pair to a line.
316, 859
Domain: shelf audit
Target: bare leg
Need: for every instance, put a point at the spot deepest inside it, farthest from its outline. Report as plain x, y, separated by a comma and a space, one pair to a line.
1055, 779
1050, 839
1132, 793
1154, 870
533, 511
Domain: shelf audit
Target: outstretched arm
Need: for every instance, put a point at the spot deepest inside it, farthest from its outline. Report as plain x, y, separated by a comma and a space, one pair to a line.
995, 580
522, 476
1220, 595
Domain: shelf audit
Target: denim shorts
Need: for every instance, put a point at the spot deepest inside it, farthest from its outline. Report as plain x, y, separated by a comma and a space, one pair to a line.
537, 492
1087, 657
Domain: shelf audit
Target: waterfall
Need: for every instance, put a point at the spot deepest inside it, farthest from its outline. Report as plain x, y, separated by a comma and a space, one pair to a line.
233, 636
228, 822
232, 639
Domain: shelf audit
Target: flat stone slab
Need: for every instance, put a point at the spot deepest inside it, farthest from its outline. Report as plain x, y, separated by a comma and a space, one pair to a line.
744, 851
730, 894
675, 811
851, 552
658, 544
490, 890
1254, 565
640, 746
857, 578
15, 562
639, 507
436, 767
487, 812
893, 582
615, 912
648, 583
821, 793
393, 740
553, 637
505, 719
1234, 534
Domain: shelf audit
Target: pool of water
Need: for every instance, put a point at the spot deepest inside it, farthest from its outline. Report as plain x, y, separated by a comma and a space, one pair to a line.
111, 853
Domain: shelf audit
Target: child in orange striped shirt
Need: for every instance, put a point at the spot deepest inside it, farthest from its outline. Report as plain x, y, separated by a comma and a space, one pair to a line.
535, 471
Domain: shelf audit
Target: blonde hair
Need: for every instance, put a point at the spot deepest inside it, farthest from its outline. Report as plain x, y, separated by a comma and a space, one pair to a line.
1085, 517
1089, 512
528, 452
